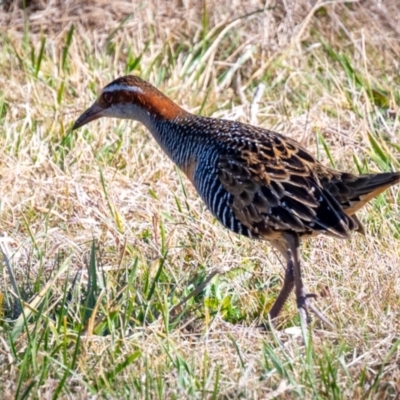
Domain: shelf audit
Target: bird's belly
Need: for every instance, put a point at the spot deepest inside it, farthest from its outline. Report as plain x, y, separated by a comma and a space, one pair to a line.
219, 202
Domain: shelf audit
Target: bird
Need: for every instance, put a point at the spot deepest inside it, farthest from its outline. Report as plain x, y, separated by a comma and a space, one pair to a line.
256, 182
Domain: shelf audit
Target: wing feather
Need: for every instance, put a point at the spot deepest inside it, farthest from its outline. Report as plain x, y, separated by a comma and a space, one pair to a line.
281, 192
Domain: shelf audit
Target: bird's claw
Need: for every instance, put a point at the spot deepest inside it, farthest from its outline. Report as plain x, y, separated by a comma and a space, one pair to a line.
304, 305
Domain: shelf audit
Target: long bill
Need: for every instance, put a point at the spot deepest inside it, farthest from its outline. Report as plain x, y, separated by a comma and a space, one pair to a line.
92, 113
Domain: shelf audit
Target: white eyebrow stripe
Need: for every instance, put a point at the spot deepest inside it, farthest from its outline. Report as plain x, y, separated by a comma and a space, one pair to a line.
116, 86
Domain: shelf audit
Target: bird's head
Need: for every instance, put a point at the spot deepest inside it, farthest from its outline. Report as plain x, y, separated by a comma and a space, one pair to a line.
130, 97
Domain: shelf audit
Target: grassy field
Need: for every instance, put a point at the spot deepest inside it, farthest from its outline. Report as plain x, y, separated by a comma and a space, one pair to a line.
102, 237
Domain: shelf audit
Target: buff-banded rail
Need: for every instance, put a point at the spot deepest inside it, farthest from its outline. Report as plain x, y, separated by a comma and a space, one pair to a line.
256, 182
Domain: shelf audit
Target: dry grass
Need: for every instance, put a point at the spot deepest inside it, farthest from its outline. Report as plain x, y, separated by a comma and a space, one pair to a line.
103, 235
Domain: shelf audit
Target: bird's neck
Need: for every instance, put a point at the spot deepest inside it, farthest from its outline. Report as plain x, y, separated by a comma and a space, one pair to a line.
169, 124
173, 137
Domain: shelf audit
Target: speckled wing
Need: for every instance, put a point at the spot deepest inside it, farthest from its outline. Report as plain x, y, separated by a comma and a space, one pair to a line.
275, 189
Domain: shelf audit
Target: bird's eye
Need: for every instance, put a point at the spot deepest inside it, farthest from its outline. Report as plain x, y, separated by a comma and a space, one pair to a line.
107, 97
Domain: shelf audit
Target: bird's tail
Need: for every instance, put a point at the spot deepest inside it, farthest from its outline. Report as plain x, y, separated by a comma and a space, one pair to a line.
353, 191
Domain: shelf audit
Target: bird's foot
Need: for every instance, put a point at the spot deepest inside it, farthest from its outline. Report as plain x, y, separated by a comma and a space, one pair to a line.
305, 305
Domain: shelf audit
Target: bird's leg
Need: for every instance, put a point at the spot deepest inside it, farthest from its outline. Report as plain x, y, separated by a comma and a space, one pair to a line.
303, 299
288, 285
